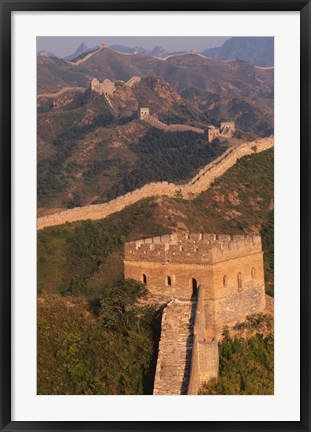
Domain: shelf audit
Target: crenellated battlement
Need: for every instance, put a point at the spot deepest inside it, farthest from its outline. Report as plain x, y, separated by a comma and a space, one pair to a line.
207, 282
192, 248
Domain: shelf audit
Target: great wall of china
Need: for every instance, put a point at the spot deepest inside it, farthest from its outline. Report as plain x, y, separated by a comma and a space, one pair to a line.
154, 121
196, 185
62, 91
205, 283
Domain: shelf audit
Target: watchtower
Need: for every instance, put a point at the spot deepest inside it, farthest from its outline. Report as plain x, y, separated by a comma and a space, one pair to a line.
95, 85
211, 132
228, 271
143, 113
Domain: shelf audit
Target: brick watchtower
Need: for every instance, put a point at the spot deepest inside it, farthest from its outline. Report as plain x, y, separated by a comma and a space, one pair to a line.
228, 270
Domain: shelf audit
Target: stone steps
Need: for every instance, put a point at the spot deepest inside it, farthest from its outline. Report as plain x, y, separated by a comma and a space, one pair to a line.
175, 348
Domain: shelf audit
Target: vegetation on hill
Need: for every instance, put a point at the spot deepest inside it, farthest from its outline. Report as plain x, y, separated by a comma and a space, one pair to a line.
71, 336
87, 155
83, 257
54, 73
252, 115
183, 71
241, 202
57, 173
165, 156
80, 264
246, 364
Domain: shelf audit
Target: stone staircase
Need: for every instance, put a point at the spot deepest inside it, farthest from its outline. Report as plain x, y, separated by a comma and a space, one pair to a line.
175, 349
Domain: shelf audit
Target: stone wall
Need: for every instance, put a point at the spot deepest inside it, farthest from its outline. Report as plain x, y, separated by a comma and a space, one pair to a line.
232, 309
181, 278
194, 248
196, 185
221, 277
86, 57
172, 127
171, 265
61, 92
205, 356
133, 80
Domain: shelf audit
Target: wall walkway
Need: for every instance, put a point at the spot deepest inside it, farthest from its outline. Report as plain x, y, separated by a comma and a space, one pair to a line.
172, 127
173, 364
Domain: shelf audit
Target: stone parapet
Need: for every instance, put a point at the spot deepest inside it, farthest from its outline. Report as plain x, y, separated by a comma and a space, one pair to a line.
196, 248
175, 347
205, 356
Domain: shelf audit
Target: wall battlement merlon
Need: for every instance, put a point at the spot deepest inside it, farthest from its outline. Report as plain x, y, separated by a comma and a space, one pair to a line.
194, 247
191, 238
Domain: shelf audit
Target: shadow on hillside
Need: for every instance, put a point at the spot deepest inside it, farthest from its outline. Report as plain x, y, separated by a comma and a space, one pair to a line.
189, 343
148, 380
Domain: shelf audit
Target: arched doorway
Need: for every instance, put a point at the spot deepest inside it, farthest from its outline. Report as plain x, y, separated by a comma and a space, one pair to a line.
194, 285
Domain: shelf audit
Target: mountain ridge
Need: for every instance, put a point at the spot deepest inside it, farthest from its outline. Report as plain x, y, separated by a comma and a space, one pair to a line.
180, 70
258, 51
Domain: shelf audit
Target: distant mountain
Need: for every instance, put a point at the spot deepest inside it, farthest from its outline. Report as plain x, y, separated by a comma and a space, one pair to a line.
46, 53
83, 48
55, 73
121, 48
258, 51
157, 51
181, 71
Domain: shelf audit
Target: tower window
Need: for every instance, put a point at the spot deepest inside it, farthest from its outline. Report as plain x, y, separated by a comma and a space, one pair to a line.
194, 285
144, 279
239, 281
168, 280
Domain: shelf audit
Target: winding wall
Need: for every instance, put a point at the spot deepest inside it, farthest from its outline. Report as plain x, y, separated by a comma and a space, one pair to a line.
189, 190
172, 127
62, 91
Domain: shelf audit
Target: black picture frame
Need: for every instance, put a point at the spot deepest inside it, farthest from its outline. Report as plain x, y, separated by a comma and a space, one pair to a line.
7, 7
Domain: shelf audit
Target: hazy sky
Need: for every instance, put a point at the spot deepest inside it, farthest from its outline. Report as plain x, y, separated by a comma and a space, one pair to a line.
64, 45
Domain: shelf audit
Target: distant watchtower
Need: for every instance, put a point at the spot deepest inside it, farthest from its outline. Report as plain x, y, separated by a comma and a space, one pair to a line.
143, 113
211, 132
95, 85
228, 271
107, 87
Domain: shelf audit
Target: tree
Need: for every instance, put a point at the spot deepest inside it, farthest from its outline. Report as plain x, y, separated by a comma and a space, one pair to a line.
119, 300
